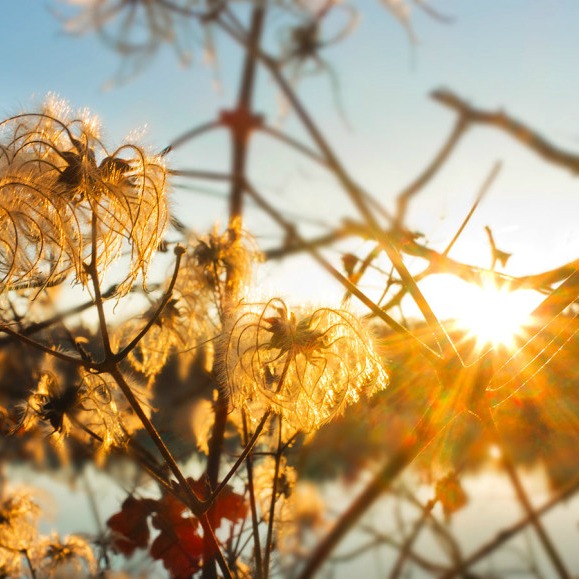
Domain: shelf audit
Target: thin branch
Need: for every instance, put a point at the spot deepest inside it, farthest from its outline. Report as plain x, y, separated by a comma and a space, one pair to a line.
179, 251
508, 533
47, 350
404, 197
516, 129
253, 505
246, 451
92, 270
189, 135
36, 327
294, 143
206, 175
271, 519
482, 192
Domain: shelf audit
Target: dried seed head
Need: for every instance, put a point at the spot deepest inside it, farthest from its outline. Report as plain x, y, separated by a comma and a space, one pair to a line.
307, 366
70, 557
18, 517
65, 197
226, 260
90, 403
136, 29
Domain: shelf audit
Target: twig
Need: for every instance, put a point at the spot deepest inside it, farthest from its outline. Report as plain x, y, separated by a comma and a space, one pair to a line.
508, 533
191, 134
482, 192
253, 505
38, 346
516, 129
406, 547
92, 270
403, 198
271, 519
245, 453
118, 357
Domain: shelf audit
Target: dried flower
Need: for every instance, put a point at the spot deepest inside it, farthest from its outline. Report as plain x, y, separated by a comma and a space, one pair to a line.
226, 259
136, 29
62, 192
306, 368
71, 557
18, 517
89, 404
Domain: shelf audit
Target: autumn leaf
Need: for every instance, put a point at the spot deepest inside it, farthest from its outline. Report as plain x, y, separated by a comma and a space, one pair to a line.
228, 505
130, 527
178, 545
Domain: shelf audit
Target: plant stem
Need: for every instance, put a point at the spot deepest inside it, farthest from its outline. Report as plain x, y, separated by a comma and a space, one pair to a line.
29, 562
271, 519
254, 519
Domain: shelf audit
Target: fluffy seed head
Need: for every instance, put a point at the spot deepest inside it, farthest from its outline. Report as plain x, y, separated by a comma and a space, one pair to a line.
65, 199
306, 365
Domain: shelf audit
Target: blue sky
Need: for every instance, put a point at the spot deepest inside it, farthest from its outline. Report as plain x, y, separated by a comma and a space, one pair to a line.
519, 55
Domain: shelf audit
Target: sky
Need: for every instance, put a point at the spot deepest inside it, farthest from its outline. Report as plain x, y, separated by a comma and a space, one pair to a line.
517, 55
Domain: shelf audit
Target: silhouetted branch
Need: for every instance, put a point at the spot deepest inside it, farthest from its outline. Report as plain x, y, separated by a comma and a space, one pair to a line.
516, 129
404, 197
508, 533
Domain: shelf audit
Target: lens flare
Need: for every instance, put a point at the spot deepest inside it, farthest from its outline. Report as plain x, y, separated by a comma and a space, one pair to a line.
493, 314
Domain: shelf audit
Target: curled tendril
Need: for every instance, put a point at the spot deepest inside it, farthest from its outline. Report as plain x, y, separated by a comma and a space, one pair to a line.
306, 366
60, 189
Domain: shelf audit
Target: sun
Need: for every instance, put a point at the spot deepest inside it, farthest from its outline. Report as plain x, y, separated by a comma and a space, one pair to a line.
493, 314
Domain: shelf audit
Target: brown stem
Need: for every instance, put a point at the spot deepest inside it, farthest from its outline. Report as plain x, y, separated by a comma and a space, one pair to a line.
38, 346
515, 128
179, 251
506, 534
189, 135
253, 505
271, 519
244, 455
92, 270
241, 132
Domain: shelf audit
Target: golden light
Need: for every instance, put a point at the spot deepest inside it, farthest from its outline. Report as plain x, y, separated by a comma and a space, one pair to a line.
492, 314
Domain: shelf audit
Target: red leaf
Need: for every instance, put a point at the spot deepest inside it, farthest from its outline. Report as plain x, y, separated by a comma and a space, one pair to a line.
178, 546
229, 505
168, 513
129, 526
